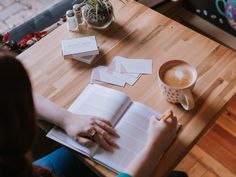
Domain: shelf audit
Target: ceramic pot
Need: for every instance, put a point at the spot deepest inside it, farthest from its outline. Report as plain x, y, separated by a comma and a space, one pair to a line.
99, 19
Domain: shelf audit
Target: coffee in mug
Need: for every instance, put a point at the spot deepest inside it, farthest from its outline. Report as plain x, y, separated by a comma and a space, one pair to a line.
178, 76
176, 79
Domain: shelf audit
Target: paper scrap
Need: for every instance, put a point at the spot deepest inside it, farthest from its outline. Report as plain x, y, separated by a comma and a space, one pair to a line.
129, 78
124, 65
101, 75
121, 71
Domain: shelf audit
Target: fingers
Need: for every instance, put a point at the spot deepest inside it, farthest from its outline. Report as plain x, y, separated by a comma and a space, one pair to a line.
167, 115
169, 118
100, 137
105, 139
111, 141
103, 142
99, 131
106, 134
170, 122
84, 141
107, 127
105, 121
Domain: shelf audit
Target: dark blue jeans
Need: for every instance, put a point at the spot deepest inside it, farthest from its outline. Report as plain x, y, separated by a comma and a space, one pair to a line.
62, 163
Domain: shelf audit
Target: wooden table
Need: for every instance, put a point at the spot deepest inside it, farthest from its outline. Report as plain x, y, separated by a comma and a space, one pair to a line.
139, 32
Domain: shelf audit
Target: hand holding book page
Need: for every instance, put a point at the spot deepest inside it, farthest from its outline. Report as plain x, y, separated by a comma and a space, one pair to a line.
129, 118
160, 136
132, 129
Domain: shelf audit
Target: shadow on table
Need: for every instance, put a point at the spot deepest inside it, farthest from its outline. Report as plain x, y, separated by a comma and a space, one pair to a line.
99, 60
114, 31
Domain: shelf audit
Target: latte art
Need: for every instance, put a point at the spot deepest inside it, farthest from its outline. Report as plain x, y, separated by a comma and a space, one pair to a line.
178, 76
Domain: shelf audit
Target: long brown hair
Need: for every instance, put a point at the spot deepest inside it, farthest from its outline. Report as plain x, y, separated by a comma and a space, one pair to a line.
17, 118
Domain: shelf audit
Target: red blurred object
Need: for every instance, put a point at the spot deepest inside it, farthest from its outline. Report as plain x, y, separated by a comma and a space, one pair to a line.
32, 36
6, 36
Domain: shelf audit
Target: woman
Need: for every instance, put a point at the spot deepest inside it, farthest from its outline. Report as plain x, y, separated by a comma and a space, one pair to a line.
18, 126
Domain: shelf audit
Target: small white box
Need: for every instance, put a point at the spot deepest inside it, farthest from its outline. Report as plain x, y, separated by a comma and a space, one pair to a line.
80, 47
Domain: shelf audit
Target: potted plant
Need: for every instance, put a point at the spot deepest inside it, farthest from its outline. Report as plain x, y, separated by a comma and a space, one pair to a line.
98, 13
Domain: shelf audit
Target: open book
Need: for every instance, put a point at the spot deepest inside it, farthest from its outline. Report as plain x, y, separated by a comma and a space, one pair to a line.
129, 118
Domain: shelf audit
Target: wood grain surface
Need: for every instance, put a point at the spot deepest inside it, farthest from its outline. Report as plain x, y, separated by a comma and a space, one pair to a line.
215, 154
139, 32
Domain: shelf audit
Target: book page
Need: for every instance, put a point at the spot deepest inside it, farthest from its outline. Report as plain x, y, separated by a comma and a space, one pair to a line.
98, 101
132, 129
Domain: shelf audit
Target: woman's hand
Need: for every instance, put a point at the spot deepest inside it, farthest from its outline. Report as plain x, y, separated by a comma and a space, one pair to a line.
87, 130
161, 133
83, 128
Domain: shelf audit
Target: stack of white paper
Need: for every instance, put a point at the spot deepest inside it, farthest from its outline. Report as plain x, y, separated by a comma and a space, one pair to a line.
83, 49
121, 71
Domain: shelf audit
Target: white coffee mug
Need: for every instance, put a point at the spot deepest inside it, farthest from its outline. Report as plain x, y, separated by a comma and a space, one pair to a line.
176, 80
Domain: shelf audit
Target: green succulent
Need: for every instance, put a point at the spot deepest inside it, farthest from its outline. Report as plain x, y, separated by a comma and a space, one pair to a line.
98, 12
98, 5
